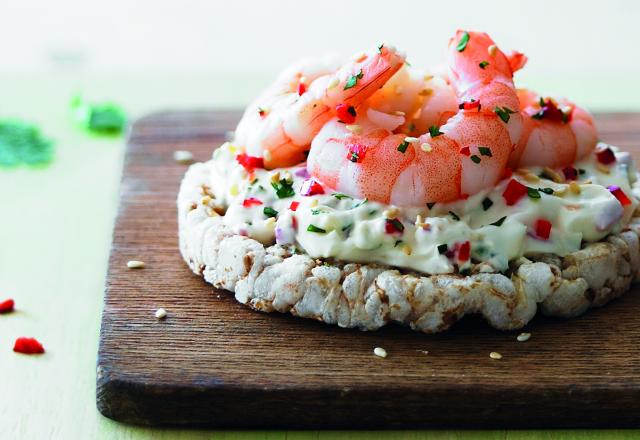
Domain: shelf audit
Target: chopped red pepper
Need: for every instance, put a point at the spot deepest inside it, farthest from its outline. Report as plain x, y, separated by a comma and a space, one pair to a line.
7, 306
543, 228
619, 194
391, 226
294, 205
251, 201
514, 192
464, 251
465, 151
250, 163
549, 110
570, 173
470, 105
310, 188
28, 346
606, 156
355, 152
301, 88
346, 113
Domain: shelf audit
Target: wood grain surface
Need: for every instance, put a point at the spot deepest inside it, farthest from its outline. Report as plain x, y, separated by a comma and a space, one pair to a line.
214, 362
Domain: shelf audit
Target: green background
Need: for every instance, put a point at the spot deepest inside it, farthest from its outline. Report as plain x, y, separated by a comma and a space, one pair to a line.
55, 230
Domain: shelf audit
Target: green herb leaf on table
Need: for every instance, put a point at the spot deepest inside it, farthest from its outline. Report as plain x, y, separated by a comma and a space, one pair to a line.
23, 143
103, 118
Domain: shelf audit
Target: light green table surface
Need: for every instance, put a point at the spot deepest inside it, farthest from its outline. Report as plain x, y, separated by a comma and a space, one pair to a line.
55, 230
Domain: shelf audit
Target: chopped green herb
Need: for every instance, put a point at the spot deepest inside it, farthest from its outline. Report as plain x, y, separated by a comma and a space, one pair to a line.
431, 204
315, 211
380, 48
312, 228
434, 131
283, 188
454, 216
533, 193
485, 151
411, 126
581, 171
466, 271
499, 222
475, 159
354, 157
397, 243
353, 80
341, 196
487, 203
546, 190
104, 118
442, 248
347, 227
373, 212
397, 224
23, 143
270, 212
360, 203
403, 146
504, 113
462, 44
483, 64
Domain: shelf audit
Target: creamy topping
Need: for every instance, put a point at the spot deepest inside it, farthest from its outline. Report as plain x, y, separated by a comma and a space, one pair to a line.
535, 210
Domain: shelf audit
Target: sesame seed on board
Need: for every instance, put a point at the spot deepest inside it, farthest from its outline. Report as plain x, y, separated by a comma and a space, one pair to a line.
522, 337
135, 264
183, 156
380, 352
495, 355
161, 313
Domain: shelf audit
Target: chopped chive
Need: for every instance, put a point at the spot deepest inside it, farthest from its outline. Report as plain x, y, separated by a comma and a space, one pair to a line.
313, 228
485, 151
380, 48
353, 80
354, 157
347, 227
442, 248
360, 203
475, 159
283, 188
546, 190
454, 216
397, 243
341, 196
483, 64
533, 193
487, 203
434, 131
499, 222
504, 113
462, 44
465, 272
315, 211
270, 212
397, 224
403, 146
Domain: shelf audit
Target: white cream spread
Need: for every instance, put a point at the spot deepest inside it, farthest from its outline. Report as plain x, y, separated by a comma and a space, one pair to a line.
431, 239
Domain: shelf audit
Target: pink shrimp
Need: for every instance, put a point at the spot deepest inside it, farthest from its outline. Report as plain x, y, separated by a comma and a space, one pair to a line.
467, 154
555, 134
283, 121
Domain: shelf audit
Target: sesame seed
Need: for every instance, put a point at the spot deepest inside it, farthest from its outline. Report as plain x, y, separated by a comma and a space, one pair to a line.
183, 156
493, 49
399, 113
333, 83
275, 177
270, 221
303, 80
206, 200
407, 249
161, 313
267, 155
555, 176
314, 203
411, 139
574, 188
426, 147
495, 355
354, 128
390, 213
380, 352
425, 92
522, 337
135, 264
419, 219
233, 190
428, 77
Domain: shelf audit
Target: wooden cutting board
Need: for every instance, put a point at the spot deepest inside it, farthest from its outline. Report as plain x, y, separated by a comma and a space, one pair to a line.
214, 362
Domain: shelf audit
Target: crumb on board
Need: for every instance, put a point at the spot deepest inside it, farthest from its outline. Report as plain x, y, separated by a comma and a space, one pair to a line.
135, 264
380, 352
183, 156
522, 337
495, 355
161, 313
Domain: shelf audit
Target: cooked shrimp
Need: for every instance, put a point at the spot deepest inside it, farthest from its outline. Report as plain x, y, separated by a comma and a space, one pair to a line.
556, 132
467, 154
283, 121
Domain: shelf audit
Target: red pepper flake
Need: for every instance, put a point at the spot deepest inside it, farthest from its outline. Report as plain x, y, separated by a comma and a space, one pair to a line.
391, 226
570, 173
251, 201
543, 228
549, 110
310, 188
355, 152
262, 112
514, 192
465, 151
464, 251
470, 105
606, 156
7, 306
619, 194
301, 88
28, 346
346, 113
294, 205
250, 163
